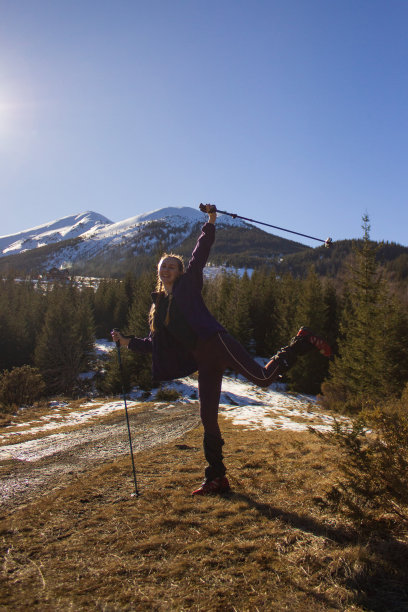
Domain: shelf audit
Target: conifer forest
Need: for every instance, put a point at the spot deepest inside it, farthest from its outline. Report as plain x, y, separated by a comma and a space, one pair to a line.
52, 331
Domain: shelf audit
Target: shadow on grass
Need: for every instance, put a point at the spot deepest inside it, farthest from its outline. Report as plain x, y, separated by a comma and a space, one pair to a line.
379, 573
341, 535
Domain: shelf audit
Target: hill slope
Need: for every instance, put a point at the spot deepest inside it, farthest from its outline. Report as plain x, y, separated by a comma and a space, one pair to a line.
271, 543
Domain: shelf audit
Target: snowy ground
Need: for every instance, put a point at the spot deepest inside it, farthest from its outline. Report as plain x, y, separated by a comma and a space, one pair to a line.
248, 405
271, 408
45, 452
241, 402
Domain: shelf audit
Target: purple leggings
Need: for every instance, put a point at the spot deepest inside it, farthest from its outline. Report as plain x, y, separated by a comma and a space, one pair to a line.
213, 357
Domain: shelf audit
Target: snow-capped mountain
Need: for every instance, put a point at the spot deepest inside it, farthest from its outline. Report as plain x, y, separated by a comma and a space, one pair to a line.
90, 240
97, 228
52, 232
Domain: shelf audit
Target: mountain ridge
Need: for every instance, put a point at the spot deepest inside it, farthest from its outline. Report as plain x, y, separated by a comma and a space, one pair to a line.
64, 228
93, 225
93, 241
95, 246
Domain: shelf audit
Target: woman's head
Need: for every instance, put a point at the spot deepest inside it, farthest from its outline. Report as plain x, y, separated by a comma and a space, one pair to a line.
169, 268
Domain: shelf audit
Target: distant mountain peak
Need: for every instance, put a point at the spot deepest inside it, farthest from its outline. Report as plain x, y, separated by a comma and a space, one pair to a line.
78, 239
65, 228
184, 212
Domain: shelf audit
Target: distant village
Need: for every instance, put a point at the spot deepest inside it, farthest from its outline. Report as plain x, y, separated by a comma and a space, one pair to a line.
62, 275
55, 274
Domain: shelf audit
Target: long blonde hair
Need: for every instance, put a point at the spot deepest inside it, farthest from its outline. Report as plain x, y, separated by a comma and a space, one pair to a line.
160, 287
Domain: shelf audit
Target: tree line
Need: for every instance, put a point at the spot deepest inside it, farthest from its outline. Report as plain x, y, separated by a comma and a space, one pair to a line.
54, 330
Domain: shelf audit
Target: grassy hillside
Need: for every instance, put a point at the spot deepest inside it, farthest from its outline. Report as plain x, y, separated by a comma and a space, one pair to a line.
268, 545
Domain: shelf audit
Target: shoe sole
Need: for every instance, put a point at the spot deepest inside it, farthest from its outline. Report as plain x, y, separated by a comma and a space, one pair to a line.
197, 494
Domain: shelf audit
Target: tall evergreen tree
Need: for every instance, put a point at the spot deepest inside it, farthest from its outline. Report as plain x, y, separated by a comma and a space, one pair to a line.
65, 345
264, 312
332, 304
309, 371
290, 293
111, 307
139, 365
22, 310
239, 322
362, 372
138, 315
217, 295
396, 331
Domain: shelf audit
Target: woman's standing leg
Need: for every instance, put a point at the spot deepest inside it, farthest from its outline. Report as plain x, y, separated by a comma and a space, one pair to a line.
210, 373
213, 357
209, 385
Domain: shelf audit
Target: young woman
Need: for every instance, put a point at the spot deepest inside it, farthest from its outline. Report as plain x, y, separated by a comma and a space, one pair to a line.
184, 337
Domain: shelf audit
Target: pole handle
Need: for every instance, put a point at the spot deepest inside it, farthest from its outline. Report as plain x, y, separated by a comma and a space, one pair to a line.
212, 209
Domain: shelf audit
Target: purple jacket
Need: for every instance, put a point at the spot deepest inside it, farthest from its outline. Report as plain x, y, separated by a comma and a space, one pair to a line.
175, 361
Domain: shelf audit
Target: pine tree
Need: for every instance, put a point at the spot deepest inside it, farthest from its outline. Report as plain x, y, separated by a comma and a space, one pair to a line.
22, 310
238, 321
264, 312
140, 365
310, 370
362, 370
396, 331
290, 293
116, 379
138, 314
65, 345
332, 306
217, 296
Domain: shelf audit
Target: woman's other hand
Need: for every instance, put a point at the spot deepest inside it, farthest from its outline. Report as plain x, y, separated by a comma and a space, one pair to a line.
117, 337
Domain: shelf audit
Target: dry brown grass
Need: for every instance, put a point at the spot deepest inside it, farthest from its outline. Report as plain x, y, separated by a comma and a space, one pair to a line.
270, 544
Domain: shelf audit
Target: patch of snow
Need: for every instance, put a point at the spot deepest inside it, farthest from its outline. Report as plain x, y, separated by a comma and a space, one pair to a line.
211, 271
241, 402
58, 404
55, 420
257, 408
86, 375
103, 347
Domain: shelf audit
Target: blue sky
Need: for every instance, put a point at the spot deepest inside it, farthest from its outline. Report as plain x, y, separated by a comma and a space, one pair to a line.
294, 112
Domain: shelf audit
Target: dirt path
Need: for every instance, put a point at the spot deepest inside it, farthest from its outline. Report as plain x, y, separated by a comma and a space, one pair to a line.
51, 462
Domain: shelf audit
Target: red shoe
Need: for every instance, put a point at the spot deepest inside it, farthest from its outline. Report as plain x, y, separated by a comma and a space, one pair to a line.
212, 487
318, 342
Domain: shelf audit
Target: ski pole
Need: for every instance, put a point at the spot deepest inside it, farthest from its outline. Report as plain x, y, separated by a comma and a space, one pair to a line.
127, 416
327, 243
